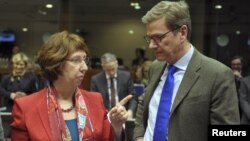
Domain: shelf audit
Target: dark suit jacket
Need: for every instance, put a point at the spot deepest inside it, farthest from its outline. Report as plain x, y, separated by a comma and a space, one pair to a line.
27, 84
207, 95
1, 130
31, 122
244, 97
99, 83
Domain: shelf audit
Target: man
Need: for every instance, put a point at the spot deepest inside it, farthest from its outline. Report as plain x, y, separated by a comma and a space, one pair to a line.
1, 130
122, 80
236, 66
203, 92
140, 57
244, 99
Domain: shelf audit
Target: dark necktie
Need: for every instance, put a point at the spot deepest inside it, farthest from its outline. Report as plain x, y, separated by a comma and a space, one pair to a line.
113, 94
162, 118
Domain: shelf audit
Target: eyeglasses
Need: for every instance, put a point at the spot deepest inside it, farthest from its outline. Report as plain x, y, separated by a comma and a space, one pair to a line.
157, 38
78, 61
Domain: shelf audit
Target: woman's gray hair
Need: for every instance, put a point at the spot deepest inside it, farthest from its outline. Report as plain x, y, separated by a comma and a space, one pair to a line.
175, 13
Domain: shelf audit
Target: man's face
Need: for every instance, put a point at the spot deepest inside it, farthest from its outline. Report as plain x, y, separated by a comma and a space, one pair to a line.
236, 65
166, 45
110, 68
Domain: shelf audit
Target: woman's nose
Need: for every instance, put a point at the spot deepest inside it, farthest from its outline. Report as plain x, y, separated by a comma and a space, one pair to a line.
83, 67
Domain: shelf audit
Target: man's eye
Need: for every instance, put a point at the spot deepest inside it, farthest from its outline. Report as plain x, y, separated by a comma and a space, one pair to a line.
76, 60
156, 37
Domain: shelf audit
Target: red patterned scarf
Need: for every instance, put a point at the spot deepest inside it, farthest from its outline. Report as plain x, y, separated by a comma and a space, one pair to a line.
59, 130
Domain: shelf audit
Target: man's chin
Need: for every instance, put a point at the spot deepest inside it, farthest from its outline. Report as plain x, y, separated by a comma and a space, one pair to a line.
161, 59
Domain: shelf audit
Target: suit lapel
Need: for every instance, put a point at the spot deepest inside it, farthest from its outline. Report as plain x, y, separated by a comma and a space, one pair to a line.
155, 76
190, 77
118, 81
104, 91
43, 114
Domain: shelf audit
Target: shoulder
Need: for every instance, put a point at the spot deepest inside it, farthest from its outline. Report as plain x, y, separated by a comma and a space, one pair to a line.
246, 79
215, 65
30, 75
98, 75
210, 64
123, 73
5, 76
29, 101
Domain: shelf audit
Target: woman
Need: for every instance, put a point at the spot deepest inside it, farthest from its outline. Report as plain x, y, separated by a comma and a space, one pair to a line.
62, 111
19, 82
145, 69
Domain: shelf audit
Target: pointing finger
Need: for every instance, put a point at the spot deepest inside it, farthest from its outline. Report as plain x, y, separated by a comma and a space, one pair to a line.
125, 100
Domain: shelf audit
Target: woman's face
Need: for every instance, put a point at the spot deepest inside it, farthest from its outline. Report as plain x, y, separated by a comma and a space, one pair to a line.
19, 67
75, 67
138, 73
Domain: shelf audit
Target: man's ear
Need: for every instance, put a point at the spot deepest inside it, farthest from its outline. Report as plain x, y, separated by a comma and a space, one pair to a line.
183, 32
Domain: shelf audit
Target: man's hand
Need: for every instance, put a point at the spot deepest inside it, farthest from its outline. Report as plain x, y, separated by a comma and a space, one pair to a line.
118, 115
237, 74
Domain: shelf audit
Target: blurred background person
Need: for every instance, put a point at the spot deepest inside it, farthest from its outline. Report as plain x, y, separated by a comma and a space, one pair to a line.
137, 74
33, 67
139, 57
113, 84
16, 49
145, 69
237, 68
62, 111
141, 77
244, 100
19, 82
1, 130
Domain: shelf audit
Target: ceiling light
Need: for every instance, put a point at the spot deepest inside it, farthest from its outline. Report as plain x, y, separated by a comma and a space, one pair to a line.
137, 7
218, 6
131, 31
49, 5
134, 4
25, 29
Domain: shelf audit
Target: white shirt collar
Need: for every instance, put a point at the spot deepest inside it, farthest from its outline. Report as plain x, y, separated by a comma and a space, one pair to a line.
183, 62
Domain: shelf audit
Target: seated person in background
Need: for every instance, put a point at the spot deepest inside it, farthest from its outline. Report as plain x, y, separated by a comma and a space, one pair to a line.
1, 130
35, 68
62, 111
19, 82
139, 57
244, 99
138, 75
145, 68
236, 66
113, 84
